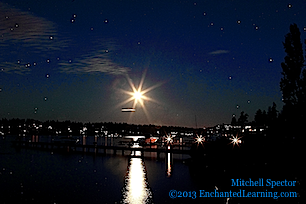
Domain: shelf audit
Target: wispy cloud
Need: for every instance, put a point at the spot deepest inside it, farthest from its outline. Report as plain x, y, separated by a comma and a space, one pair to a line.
11, 67
96, 63
16, 25
218, 52
24, 35
26, 38
98, 60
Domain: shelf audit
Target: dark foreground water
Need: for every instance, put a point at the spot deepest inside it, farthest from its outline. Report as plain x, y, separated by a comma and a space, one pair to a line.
36, 176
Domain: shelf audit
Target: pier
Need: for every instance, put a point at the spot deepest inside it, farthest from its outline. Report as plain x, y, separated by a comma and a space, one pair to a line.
102, 149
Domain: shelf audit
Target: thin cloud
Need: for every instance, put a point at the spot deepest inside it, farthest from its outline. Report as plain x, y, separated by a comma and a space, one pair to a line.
16, 25
98, 60
218, 52
26, 39
24, 35
11, 67
97, 63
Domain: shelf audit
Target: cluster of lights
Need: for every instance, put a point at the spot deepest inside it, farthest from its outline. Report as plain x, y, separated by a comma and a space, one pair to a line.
69, 129
83, 131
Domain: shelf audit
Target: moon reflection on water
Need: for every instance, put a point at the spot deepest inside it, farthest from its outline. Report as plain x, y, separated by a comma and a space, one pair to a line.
136, 188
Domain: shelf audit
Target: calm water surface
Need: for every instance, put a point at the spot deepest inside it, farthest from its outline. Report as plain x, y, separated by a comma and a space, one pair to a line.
49, 176
36, 176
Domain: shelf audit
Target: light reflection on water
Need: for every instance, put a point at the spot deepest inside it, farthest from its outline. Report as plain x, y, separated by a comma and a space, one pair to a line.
136, 188
169, 165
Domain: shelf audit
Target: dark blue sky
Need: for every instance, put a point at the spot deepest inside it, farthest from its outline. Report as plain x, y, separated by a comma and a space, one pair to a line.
70, 60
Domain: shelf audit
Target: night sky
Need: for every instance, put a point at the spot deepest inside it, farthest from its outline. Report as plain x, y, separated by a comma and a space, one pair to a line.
200, 61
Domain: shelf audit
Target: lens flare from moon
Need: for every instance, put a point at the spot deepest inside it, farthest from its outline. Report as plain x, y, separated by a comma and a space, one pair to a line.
138, 95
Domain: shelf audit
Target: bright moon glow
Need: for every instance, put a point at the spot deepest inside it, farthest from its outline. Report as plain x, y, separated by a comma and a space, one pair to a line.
138, 94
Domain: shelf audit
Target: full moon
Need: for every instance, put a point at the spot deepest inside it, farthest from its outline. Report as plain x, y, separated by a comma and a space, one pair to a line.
137, 95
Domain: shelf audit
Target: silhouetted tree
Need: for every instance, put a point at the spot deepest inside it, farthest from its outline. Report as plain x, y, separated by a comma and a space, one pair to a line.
292, 83
234, 121
243, 119
266, 118
272, 114
260, 117
302, 96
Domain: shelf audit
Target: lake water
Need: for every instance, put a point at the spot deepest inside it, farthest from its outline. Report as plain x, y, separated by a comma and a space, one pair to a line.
36, 176
49, 176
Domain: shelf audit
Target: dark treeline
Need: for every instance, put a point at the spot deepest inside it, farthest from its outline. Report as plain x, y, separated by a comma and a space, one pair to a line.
261, 118
288, 122
269, 117
52, 127
242, 120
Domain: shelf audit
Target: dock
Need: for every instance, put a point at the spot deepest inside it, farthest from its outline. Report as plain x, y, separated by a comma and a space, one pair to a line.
102, 149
